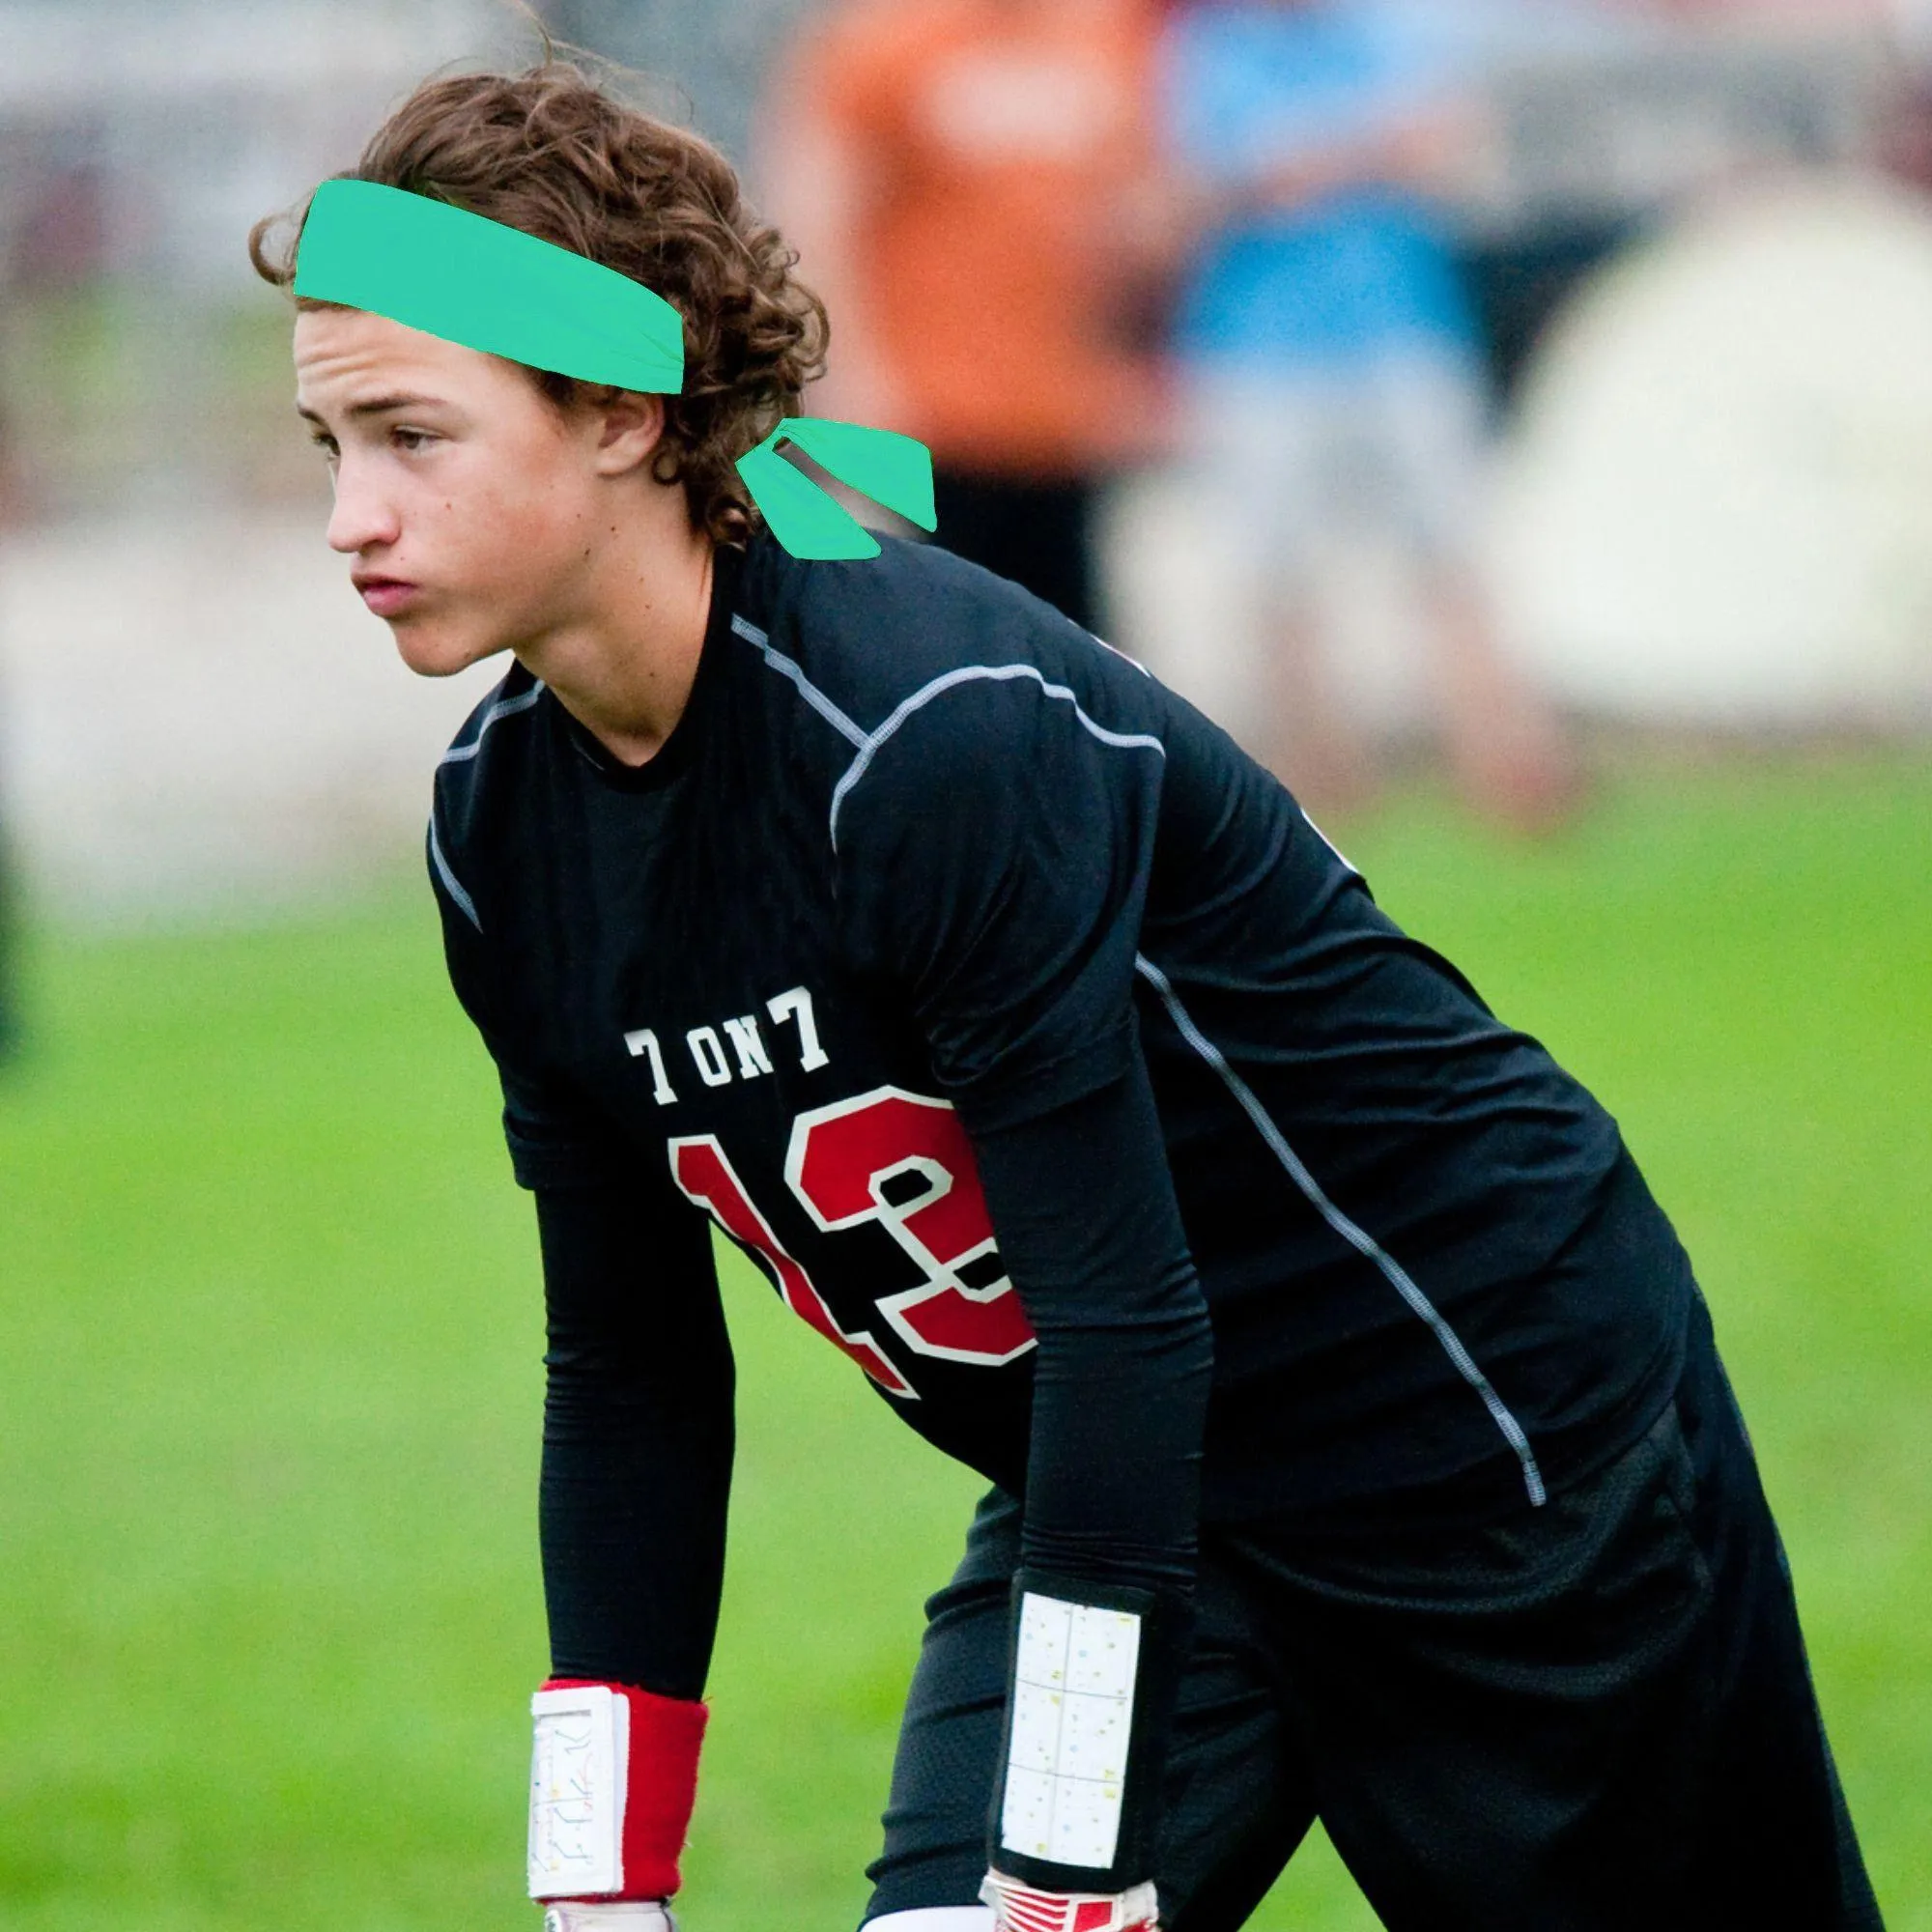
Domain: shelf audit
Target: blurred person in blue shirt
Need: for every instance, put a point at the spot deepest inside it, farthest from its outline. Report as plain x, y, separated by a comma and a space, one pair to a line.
1332, 373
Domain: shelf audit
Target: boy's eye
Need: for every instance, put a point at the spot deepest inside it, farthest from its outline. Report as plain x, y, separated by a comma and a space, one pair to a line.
409, 439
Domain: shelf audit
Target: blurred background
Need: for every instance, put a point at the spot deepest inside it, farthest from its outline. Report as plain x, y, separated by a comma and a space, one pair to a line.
1513, 418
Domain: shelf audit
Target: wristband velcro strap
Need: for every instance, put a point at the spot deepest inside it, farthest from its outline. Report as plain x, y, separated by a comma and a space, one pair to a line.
614, 1779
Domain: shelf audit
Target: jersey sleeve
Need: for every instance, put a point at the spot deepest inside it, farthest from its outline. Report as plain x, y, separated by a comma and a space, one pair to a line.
638, 1441
993, 858
557, 1140
999, 874
1084, 1209
637, 1405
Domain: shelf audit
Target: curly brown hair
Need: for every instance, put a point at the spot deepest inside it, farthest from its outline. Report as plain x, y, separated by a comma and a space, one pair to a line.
551, 152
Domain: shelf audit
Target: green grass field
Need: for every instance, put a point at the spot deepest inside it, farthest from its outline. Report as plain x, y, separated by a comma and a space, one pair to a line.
271, 1327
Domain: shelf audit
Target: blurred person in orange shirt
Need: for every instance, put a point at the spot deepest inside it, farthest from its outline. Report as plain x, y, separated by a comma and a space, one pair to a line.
960, 178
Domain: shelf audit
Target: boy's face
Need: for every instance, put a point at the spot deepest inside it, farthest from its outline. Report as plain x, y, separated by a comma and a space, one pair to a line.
455, 478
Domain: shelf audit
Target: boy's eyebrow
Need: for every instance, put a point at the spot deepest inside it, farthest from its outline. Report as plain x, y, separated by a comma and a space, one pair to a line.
374, 406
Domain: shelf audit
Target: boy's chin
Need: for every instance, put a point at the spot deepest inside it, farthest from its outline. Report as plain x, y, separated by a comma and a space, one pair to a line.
430, 651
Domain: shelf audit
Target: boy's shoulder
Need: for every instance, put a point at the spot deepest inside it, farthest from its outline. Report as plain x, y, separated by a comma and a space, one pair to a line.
487, 742
876, 633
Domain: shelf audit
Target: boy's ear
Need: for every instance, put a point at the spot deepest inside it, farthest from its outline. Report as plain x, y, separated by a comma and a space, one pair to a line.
630, 427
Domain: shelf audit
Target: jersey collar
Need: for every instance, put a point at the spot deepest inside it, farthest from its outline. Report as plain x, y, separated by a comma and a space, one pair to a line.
674, 754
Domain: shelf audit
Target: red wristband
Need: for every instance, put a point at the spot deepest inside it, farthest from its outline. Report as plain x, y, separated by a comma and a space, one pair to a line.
660, 1783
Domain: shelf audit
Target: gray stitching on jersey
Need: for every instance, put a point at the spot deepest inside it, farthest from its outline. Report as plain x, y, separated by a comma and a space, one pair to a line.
810, 692
509, 708
1118, 652
967, 674
450, 882
1357, 1237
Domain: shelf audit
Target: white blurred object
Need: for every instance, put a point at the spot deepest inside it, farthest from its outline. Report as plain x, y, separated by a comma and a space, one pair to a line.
199, 712
632, 1915
1717, 504
1911, 23
204, 114
1179, 598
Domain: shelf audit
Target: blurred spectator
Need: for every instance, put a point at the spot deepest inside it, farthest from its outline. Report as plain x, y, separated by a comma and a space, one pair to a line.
955, 174
12, 506
1905, 134
61, 240
1331, 374
56, 244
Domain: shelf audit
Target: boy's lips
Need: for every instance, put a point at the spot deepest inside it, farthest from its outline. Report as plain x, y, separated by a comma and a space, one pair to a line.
384, 595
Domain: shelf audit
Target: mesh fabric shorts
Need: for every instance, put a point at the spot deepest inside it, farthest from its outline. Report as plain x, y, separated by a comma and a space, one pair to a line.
1594, 1716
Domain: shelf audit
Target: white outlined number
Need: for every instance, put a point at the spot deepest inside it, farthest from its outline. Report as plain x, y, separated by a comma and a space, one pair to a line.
642, 1044
904, 1160
704, 1173
796, 1005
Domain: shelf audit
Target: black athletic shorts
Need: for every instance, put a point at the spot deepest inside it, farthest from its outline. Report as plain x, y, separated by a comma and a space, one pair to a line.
1597, 1715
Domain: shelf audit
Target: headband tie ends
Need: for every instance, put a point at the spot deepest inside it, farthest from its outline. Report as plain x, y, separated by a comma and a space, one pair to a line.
490, 287
891, 468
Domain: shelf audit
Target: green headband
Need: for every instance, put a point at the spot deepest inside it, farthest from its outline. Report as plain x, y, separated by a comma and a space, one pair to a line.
492, 288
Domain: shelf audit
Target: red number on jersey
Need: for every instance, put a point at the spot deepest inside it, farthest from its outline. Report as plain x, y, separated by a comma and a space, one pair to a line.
700, 1168
904, 1160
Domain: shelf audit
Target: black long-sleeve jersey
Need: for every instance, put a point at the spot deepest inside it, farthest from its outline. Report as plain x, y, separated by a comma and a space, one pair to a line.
1052, 1065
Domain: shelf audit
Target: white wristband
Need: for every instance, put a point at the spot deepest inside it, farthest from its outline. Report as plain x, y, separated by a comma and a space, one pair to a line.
1072, 1722
579, 1777
630, 1914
